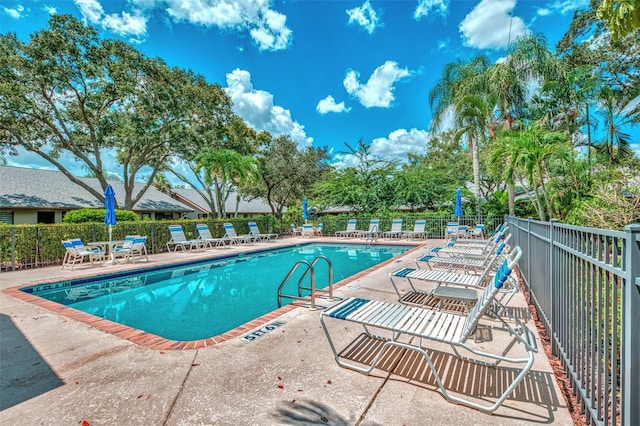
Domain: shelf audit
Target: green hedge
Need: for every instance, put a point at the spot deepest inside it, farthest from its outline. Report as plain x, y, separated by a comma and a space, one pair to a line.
97, 215
30, 246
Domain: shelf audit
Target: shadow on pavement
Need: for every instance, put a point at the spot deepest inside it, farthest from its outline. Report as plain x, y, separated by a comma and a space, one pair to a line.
23, 372
304, 412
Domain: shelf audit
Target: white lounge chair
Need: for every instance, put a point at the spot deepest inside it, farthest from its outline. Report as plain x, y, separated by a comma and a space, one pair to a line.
451, 230
350, 231
418, 230
318, 230
295, 230
122, 250
396, 229
372, 232
259, 236
437, 284
410, 329
179, 239
204, 234
76, 252
477, 235
479, 242
132, 248
307, 230
464, 263
234, 238
471, 250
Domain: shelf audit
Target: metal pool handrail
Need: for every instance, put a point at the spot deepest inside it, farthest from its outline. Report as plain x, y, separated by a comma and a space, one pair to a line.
309, 270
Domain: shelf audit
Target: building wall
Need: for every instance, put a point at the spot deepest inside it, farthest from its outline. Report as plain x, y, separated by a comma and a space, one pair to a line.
30, 216
25, 216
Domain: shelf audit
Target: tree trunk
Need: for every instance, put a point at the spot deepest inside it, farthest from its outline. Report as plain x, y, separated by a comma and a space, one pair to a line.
539, 205
511, 192
221, 209
476, 171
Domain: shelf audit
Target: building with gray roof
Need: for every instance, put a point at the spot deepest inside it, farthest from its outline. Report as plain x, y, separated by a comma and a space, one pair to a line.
44, 196
245, 208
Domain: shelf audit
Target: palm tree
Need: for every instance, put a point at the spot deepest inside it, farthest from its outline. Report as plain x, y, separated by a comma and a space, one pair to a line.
530, 59
473, 117
529, 152
161, 182
612, 108
461, 92
223, 169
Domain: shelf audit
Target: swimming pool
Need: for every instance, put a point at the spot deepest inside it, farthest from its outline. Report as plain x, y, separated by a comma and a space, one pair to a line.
206, 298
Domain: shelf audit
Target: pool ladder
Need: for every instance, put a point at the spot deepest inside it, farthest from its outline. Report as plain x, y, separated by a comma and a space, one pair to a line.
311, 272
372, 237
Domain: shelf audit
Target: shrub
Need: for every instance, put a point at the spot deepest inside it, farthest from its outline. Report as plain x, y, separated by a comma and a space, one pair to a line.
97, 215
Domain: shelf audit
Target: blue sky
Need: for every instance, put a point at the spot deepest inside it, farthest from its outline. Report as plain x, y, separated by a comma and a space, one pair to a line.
327, 72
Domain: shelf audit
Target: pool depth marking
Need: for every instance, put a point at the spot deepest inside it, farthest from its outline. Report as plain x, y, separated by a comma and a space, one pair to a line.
264, 330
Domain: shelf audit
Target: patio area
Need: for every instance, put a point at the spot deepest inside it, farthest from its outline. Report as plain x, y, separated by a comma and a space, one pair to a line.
60, 371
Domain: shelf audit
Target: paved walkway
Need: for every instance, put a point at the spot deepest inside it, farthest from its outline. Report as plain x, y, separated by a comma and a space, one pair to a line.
56, 370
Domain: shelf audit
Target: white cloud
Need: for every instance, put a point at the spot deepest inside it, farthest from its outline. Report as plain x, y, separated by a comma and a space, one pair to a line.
329, 104
51, 10
426, 7
378, 91
256, 107
563, 7
91, 10
400, 142
267, 27
543, 11
365, 16
124, 24
24, 158
396, 146
15, 13
491, 26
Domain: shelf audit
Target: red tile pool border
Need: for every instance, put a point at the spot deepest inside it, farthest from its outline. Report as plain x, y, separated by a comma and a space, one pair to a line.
153, 341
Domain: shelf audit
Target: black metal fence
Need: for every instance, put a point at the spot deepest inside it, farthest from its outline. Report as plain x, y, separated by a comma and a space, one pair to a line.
585, 285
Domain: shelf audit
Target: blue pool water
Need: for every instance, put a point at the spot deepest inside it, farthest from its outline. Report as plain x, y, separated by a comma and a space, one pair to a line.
206, 298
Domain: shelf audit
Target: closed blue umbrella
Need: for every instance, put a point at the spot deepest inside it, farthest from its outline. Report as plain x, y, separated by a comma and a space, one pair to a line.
110, 209
458, 211
305, 209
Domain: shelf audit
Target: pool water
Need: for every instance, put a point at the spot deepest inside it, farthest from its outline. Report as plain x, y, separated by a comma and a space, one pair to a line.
207, 298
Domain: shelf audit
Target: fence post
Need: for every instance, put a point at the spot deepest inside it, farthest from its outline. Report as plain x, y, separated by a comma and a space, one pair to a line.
13, 247
529, 260
631, 320
550, 287
153, 235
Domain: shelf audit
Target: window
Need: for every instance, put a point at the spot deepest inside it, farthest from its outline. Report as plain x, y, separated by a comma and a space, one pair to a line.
46, 217
6, 217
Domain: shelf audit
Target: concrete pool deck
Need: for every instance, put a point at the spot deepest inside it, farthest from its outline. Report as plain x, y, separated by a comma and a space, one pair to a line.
57, 370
